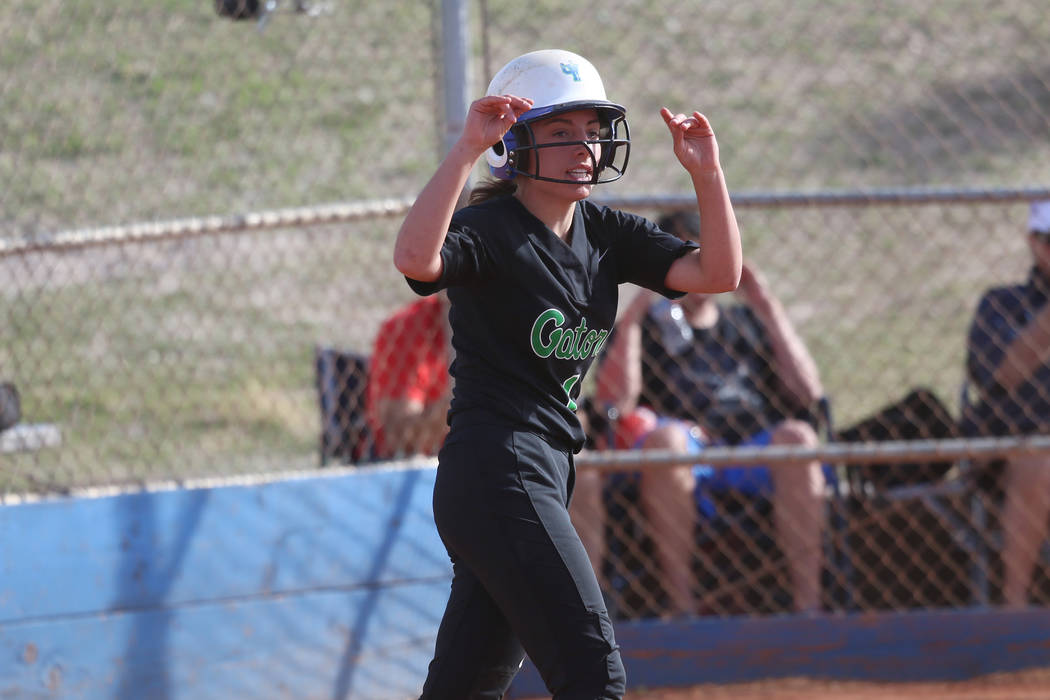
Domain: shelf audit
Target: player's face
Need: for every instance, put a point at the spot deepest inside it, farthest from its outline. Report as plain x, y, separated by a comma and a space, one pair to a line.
576, 160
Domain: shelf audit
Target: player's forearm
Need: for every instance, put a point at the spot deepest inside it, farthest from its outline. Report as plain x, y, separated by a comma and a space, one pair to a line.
715, 268
417, 252
1028, 351
721, 256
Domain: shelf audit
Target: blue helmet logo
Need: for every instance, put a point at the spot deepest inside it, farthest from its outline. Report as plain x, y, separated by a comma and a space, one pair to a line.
571, 69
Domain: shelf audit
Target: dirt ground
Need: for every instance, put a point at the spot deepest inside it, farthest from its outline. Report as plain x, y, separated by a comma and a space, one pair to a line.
1026, 685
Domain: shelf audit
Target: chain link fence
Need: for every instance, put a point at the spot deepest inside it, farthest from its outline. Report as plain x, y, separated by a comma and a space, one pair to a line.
190, 347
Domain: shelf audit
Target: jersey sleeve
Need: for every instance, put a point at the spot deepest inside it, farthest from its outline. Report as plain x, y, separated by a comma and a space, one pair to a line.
465, 258
644, 252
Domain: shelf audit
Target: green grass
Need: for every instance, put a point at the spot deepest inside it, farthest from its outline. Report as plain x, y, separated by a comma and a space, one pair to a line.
195, 357
185, 358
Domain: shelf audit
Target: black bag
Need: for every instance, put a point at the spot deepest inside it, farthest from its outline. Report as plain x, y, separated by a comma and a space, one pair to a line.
920, 415
237, 9
342, 385
10, 405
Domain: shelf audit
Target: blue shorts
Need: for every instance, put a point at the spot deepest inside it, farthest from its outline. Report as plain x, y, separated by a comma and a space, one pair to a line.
750, 479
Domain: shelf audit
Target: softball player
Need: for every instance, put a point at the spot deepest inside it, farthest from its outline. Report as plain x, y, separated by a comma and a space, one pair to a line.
532, 270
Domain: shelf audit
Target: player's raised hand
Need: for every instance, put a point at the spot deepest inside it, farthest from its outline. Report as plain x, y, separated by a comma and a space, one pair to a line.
694, 141
489, 118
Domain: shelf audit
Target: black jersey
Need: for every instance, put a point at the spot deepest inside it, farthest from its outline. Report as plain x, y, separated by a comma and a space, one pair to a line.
529, 312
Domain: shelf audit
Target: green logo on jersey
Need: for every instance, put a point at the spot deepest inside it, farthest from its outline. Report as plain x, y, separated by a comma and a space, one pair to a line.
568, 386
565, 343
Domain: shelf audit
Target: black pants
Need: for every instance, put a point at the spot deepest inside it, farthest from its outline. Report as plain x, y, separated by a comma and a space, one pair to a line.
521, 582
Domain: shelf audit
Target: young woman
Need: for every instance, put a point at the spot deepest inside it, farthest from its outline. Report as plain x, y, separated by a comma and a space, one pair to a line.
532, 270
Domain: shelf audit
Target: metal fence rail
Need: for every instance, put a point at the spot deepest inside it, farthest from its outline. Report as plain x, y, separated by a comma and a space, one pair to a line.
354, 211
152, 231
885, 452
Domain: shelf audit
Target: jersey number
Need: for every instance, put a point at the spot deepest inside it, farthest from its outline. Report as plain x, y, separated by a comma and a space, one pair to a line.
568, 385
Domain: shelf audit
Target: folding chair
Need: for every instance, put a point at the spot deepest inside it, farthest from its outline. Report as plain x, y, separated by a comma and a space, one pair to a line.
738, 543
342, 380
743, 541
916, 529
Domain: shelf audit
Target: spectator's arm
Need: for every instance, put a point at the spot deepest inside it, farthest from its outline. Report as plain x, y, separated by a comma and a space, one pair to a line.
411, 427
1029, 350
619, 378
794, 366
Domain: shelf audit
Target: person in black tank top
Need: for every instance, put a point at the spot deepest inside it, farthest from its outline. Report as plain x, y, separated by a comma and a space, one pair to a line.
705, 373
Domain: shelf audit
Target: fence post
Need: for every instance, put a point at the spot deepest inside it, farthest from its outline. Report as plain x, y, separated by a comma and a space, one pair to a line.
455, 28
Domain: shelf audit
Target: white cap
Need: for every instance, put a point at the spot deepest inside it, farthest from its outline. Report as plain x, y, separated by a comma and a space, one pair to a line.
1039, 217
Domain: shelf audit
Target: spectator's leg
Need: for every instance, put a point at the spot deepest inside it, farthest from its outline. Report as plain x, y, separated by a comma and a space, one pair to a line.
798, 514
588, 515
667, 500
1024, 522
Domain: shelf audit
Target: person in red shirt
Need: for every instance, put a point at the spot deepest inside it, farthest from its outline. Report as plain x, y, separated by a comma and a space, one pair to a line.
408, 385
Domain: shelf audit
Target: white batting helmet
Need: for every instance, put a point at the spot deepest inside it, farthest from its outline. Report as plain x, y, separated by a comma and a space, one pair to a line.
557, 81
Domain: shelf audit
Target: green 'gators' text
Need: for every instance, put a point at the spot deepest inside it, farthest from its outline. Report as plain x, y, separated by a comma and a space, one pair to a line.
565, 343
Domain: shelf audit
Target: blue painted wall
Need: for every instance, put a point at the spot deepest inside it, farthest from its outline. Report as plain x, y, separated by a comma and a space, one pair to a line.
947, 645
332, 586
324, 587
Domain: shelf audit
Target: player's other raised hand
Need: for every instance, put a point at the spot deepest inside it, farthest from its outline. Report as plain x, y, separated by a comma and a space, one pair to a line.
694, 141
489, 118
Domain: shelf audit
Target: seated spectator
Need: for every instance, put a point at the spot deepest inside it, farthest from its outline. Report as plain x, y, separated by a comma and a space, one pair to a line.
1008, 365
409, 387
588, 508
719, 375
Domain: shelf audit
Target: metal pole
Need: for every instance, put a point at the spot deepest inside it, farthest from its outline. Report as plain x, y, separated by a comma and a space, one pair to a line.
455, 30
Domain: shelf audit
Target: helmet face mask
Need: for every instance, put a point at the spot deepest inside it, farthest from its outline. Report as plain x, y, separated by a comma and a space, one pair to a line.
557, 82
525, 150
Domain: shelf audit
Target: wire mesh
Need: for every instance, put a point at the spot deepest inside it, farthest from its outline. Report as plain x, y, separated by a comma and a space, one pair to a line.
188, 345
